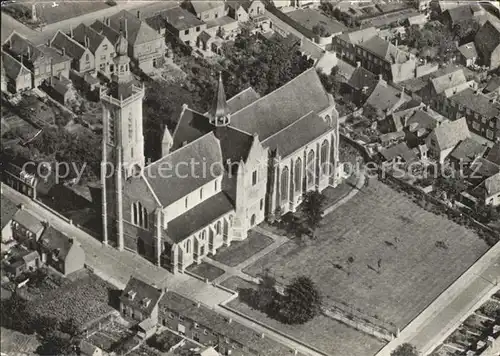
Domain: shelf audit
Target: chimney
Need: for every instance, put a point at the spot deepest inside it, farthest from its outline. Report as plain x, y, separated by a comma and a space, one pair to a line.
396, 43
51, 71
87, 42
107, 21
64, 51
29, 52
71, 31
138, 14
125, 30
21, 206
262, 336
358, 64
229, 321
198, 305
380, 77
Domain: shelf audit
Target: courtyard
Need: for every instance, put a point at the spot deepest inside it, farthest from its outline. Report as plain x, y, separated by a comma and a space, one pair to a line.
381, 254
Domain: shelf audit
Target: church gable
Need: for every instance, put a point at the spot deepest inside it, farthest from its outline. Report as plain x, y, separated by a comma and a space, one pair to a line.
191, 126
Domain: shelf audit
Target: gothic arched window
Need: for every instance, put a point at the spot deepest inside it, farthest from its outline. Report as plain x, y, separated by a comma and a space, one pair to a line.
325, 169
310, 174
298, 175
284, 185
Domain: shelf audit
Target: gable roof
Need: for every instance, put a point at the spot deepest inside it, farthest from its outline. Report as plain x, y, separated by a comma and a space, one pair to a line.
361, 78
173, 177
494, 154
180, 18
400, 150
477, 102
492, 184
297, 134
9, 209
280, 108
468, 150
235, 144
242, 99
493, 85
55, 55
198, 217
53, 239
112, 35
13, 69
423, 120
385, 97
137, 31
72, 48
191, 126
207, 5
156, 22
448, 81
450, 133
487, 39
33, 224
459, 13
359, 36
143, 292
83, 33
20, 46
468, 50
310, 18
384, 49
484, 167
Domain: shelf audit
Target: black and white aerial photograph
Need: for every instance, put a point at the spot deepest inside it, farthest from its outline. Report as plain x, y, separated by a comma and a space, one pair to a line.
250, 178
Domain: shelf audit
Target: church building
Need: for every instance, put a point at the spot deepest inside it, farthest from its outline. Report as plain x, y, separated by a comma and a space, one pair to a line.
221, 173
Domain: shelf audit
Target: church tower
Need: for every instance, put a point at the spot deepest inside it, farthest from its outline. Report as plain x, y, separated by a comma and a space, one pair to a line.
123, 142
219, 114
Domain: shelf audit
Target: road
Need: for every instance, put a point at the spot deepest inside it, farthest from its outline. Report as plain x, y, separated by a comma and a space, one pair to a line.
448, 311
117, 267
39, 37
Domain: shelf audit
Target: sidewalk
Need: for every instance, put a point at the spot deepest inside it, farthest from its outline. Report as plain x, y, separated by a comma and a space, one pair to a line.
440, 318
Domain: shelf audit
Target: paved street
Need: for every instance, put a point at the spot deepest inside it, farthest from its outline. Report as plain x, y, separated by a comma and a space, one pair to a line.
453, 306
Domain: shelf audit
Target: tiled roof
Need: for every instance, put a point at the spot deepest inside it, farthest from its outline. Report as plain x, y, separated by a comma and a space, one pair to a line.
28, 221
102, 28
460, 13
477, 103
494, 154
359, 36
181, 19
285, 105
297, 135
487, 39
492, 184
468, 50
83, 33
311, 49
20, 46
143, 293
484, 167
220, 21
12, 67
199, 217
235, 144
210, 319
191, 126
185, 170
72, 48
493, 85
362, 78
53, 239
385, 50
400, 150
384, 97
9, 209
242, 99
137, 31
310, 18
156, 22
206, 5
468, 150
450, 133
423, 120
449, 80
54, 54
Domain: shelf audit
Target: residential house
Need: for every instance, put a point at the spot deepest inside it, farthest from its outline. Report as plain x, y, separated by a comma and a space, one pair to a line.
139, 300
83, 59
432, 93
422, 5
323, 27
452, 17
237, 11
345, 44
30, 56
9, 209
468, 54
157, 23
145, 45
87, 349
60, 63
420, 20
242, 10
61, 89
492, 190
382, 57
361, 84
184, 25
101, 47
399, 153
224, 27
481, 112
494, 154
26, 228
466, 152
18, 77
492, 87
444, 138
22, 260
487, 41
210, 328
60, 251
385, 98
207, 10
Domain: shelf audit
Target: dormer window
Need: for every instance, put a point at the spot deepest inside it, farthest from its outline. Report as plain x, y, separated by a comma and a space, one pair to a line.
146, 302
131, 294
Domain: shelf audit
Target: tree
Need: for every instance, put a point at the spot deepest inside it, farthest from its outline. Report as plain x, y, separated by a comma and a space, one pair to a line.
372, 112
466, 29
320, 30
312, 209
301, 302
57, 343
405, 350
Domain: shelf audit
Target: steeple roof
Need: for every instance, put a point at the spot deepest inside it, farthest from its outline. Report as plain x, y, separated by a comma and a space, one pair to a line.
219, 107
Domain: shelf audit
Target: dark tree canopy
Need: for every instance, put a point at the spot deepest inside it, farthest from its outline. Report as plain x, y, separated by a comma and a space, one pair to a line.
405, 350
301, 302
312, 209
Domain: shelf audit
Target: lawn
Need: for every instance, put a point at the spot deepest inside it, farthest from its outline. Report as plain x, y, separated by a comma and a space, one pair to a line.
380, 253
324, 333
206, 271
66, 9
240, 251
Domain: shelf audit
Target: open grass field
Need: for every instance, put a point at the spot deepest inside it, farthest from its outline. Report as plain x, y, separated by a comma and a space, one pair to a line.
65, 9
15, 343
206, 270
324, 333
380, 253
239, 251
